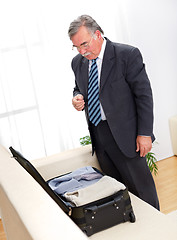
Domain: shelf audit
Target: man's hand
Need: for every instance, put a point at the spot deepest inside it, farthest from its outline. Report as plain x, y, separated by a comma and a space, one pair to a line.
78, 102
144, 145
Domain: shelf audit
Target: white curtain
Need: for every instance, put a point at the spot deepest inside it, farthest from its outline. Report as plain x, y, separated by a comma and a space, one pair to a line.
36, 80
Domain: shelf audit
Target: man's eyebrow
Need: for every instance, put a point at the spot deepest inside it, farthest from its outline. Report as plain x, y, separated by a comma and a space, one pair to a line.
81, 44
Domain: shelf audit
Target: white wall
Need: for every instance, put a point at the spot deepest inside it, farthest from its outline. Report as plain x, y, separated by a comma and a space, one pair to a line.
152, 26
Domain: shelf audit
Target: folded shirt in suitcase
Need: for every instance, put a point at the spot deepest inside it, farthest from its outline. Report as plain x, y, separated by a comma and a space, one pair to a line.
85, 185
80, 178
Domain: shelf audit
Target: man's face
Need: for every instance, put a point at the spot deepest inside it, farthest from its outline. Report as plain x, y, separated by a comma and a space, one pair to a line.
87, 45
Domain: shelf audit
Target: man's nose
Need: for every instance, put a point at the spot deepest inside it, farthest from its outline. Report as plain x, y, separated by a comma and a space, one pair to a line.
82, 51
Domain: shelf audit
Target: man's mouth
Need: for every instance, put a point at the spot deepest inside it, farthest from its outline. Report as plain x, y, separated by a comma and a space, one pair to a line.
85, 54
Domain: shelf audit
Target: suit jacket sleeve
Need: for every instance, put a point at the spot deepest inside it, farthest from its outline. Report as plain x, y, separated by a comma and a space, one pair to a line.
76, 90
139, 83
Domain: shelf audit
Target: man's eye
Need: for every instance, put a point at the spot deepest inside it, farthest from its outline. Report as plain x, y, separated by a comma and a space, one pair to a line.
85, 45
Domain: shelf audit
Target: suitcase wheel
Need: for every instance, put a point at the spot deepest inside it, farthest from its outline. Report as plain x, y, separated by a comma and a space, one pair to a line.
132, 217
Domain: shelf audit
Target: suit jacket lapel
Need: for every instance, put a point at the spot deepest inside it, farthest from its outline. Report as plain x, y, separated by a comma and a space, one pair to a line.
105, 70
107, 63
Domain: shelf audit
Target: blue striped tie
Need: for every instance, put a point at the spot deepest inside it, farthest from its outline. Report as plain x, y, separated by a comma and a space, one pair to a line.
93, 95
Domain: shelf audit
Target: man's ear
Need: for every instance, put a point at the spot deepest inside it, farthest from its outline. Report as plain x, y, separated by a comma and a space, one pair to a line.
98, 34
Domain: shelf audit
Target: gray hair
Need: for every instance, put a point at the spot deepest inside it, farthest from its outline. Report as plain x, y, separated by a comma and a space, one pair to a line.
83, 20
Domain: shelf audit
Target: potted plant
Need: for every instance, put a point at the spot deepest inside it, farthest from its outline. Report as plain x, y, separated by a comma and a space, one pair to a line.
150, 157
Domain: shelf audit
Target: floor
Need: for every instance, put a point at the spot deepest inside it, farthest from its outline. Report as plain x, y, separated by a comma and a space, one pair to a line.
2, 234
166, 183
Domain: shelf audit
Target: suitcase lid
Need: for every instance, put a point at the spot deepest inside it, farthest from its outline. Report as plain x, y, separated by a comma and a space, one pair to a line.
37, 176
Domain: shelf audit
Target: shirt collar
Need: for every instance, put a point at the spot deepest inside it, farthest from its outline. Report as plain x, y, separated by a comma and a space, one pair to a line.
102, 49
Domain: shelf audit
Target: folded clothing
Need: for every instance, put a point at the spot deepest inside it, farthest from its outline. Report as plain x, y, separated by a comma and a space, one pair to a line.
80, 178
105, 187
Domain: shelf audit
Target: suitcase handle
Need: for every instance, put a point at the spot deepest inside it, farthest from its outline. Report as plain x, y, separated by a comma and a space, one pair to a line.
96, 208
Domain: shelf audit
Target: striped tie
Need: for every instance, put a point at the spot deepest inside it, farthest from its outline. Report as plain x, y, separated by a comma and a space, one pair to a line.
93, 95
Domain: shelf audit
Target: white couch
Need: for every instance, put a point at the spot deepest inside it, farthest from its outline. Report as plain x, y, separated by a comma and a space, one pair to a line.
28, 213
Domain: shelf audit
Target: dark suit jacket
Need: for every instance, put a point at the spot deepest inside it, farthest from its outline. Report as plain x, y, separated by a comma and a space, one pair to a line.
125, 94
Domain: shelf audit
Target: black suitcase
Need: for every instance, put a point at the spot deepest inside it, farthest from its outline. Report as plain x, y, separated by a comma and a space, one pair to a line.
92, 217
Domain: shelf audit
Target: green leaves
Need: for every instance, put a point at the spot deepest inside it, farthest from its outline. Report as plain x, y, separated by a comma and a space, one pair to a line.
151, 162
85, 140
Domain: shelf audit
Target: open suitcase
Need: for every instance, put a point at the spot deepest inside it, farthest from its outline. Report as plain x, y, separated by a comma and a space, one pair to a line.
92, 217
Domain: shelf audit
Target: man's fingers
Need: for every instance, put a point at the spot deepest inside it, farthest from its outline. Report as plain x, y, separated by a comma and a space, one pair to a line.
144, 145
78, 102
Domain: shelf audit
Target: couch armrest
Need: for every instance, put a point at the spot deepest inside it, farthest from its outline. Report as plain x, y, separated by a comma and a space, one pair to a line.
173, 133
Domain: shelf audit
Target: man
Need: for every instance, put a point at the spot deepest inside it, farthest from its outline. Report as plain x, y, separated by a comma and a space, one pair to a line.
119, 108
